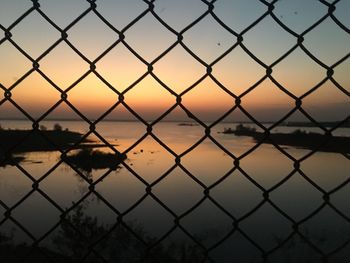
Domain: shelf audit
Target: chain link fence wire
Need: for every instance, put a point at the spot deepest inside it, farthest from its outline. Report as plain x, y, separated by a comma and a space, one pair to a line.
88, 249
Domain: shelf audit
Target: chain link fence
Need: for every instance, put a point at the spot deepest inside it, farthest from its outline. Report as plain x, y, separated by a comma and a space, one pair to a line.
88, 249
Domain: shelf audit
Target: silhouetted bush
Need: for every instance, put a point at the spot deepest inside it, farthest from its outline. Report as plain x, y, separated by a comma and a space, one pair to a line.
57, 127
87, 159
78, 232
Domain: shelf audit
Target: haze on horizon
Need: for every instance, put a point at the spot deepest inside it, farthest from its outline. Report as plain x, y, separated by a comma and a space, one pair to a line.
178, 70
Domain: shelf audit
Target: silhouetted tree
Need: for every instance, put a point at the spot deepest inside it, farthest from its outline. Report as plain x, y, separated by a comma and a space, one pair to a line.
117, 244
57, 127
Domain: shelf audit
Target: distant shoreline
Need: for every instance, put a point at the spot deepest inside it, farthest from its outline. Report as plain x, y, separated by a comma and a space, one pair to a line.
298, 138
327, 124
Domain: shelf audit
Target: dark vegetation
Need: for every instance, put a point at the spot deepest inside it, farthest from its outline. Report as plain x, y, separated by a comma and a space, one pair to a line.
13, 143
79, 236
78, 233
330, 124
298, 138
240, 130
10, 160
88, 159
20, 141
190, 124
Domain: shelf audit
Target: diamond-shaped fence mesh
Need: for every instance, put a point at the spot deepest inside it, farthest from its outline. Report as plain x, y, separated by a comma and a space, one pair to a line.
77, 236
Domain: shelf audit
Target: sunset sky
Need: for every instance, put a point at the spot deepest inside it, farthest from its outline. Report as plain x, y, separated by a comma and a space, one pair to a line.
178, 69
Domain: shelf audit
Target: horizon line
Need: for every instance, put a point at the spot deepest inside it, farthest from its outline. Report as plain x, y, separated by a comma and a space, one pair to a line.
180, 121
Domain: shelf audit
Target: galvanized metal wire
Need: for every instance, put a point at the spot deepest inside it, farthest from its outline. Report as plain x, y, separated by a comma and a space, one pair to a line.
93, 70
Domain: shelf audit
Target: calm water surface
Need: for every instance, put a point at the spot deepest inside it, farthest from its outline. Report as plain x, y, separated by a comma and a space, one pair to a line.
236, 194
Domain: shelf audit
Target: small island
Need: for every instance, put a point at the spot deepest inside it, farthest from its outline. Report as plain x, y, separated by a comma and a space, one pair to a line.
88, 159
15, 143
298, 138
188, 124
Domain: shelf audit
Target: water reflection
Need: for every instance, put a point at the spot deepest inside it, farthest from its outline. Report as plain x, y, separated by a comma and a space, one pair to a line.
322, 228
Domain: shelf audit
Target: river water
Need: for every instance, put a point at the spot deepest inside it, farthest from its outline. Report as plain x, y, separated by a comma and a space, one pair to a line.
210, 219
